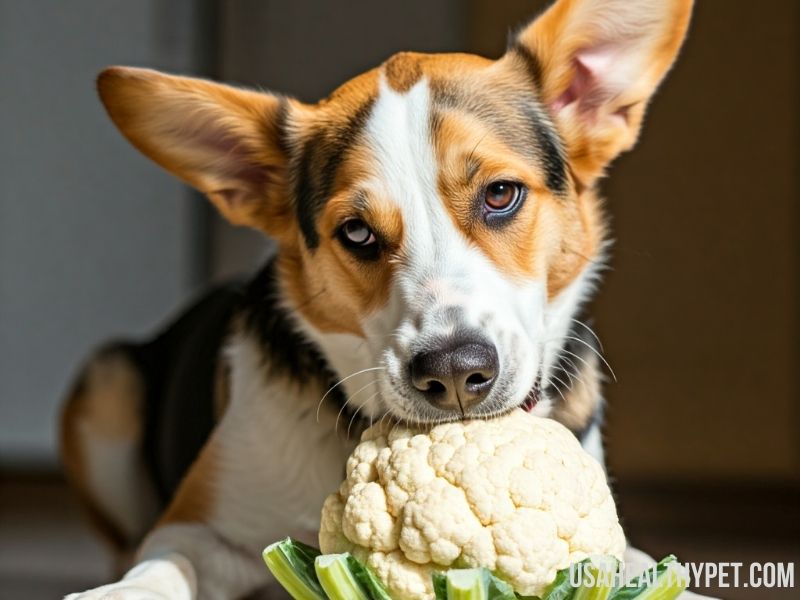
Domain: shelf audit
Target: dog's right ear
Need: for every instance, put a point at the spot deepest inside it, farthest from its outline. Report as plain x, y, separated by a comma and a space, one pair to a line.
222, 140
596, 64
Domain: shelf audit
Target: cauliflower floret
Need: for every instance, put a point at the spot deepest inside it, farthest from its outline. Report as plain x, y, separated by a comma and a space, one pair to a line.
516, 494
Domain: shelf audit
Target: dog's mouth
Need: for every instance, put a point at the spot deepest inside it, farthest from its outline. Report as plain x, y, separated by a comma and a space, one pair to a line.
533, 396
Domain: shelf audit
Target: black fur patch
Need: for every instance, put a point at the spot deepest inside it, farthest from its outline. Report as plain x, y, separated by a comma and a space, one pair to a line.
548, 140
288, 350
179, 366
281, 120
549, 153
532, 64
518, 118
317, 167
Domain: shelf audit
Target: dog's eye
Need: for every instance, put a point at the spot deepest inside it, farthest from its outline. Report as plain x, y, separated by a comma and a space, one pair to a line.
355, 233
501, 200
501, 195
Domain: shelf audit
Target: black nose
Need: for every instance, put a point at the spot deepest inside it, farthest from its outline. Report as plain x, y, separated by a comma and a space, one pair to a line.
458, 374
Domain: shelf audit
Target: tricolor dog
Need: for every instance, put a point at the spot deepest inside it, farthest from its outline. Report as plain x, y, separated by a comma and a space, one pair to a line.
438, 230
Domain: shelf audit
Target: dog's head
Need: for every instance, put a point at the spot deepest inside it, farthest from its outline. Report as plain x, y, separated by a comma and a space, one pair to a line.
435, 216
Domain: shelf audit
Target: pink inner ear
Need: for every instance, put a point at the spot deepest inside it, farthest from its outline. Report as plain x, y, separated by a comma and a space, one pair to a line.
591, 82
233, 163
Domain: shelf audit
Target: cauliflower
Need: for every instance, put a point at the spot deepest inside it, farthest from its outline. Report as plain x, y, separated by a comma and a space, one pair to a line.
516, 494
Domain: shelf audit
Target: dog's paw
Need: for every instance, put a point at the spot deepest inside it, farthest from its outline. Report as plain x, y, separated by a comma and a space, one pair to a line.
122, 590
170, 577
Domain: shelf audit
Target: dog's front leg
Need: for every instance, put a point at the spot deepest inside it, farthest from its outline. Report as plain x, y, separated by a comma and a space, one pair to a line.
170, 577
184, 562
263, 475
190, 554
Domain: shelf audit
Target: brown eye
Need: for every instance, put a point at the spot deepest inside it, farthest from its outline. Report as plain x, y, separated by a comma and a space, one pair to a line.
355, 233
501, 195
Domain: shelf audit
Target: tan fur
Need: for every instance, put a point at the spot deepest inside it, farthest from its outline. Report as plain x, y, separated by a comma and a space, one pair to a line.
115, 407
105, 401
194, 500
462, 138
551, 236
404, 69
583, 229
334, 290
539, 250
73, 459
176, 120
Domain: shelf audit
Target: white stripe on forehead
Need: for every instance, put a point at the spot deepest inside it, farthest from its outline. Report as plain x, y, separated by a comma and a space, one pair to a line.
398, 133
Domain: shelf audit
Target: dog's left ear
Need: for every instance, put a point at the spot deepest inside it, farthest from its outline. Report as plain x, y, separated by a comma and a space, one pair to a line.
596, 64
224, 141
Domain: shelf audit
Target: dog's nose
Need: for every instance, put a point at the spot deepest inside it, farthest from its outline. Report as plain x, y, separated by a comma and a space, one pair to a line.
458, 374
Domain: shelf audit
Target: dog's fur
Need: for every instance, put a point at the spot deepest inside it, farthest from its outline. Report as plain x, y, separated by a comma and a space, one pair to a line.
228, 430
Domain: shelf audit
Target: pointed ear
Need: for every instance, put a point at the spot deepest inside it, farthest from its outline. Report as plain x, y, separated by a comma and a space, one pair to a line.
223, 141
597, 63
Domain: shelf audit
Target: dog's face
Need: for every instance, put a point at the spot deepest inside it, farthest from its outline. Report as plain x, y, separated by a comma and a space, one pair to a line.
437, 221
435, 216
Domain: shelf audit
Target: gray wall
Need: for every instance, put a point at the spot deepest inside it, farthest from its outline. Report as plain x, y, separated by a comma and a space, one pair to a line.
94, 241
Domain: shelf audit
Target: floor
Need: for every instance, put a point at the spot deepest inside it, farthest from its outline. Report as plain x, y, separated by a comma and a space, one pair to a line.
46, 550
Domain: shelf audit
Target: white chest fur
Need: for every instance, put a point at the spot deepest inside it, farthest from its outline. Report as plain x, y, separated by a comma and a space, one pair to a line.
278, 457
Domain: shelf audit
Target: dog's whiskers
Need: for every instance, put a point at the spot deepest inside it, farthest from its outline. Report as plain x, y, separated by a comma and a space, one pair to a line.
590, 330
567, 386
580, 358
352, 418
347, 401
558, 389
585, 343
593, 349
571, 375
363, 404
360, 406
340, 382
380, 423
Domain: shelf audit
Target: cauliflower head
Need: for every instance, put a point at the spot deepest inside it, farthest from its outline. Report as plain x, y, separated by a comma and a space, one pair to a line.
516, 494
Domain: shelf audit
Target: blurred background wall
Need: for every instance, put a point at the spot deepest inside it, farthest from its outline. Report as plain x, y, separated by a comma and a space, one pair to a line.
698, 312
94, 242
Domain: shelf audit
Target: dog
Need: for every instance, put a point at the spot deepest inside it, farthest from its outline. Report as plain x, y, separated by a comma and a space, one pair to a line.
438, 232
